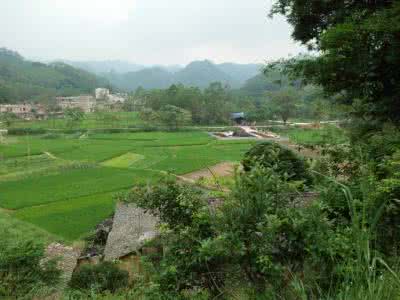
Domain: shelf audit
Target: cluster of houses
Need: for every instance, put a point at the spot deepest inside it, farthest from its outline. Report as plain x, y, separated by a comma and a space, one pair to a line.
102, 100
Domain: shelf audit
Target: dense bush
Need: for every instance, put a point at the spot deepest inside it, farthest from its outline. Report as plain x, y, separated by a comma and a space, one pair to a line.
23, 272
103, 277
175, 204
260, 237
26, 131
284, 161
186, 222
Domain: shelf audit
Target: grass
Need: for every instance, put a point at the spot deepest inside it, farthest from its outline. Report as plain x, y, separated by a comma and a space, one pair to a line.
13, 167
73, 218
13, 228
38, 190
124, 161
36, 145
327, 134
65, 183
91, 121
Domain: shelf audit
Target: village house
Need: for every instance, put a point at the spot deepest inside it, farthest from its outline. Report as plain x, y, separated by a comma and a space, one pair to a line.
86, 103
22, 110
103, 94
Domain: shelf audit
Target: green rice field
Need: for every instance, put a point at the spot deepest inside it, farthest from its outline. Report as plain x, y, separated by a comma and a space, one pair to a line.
65, 184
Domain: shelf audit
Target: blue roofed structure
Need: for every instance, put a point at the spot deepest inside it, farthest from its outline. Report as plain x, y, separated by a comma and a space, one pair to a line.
238, 117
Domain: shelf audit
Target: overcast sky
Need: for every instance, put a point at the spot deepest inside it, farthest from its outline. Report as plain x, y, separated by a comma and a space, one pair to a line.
145, 31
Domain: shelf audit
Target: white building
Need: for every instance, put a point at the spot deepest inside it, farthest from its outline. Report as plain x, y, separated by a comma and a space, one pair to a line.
116, 98
85, 102
21, 110
102, 94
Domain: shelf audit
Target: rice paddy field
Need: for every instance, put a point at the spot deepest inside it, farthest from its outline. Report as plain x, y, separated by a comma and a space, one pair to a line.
65, 184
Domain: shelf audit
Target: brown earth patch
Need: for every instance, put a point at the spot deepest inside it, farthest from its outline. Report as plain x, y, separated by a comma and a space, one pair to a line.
219, 170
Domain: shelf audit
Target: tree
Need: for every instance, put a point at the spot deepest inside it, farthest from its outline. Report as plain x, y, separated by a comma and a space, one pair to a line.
284, 103
216, 104
148, 115
174, 117
359, 42
74, 116
7, 118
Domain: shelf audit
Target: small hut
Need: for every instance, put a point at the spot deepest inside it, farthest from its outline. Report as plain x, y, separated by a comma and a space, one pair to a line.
238, 117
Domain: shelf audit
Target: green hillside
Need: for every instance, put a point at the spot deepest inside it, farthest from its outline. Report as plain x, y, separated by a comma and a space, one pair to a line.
198, 74
22, 80
202, 73
150, 78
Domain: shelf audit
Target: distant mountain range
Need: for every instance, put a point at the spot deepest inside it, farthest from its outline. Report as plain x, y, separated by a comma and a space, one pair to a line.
129, 77
24, 80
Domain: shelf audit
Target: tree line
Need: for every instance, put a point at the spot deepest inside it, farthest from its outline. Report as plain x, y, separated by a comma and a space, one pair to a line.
284, 99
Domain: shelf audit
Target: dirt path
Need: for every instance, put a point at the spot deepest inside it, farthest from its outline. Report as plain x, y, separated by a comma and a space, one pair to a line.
50, 155
6, 211
219, 170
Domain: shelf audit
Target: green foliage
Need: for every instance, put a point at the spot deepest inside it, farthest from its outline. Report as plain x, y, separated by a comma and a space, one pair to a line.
198, 74
323, 136
174, 117
100, 278
272, 155
174, 204
272, 236
185, 223
85, 212
70, 183
284, 103
211, 106
259, 85
26, 131
74, 116
358, 44
7, 118
79, 173
23, 274
21, 79
148, 115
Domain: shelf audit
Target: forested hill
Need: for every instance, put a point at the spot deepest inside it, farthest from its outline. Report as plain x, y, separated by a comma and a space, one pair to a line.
202, 73
197, 73
23, 80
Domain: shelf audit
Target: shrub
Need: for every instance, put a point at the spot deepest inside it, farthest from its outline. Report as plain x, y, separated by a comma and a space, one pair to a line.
73, 131
103, 277
186, 222
23, 272
174, 203
51, 136
284, 161
26, 131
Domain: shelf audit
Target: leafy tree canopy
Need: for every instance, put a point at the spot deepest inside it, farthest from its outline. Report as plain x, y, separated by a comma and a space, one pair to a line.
359, 42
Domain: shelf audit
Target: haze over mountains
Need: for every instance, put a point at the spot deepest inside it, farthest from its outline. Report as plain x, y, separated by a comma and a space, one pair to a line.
25, 80
129, 77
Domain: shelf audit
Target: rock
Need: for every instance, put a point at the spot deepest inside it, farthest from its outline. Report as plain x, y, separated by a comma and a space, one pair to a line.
96, 242
67, 260
132, 227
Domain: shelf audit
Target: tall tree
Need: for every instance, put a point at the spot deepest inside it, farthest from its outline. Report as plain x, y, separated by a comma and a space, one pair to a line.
359, 42
284, 103
174, 117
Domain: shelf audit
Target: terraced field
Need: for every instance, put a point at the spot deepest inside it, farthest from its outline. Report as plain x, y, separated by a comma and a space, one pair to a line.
65, 184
